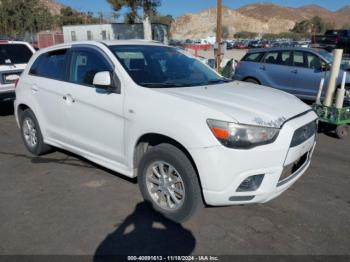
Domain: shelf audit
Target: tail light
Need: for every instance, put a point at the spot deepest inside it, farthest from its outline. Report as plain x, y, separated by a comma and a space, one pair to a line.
16, 83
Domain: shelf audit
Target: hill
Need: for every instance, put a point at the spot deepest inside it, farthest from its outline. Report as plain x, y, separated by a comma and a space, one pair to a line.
259, 18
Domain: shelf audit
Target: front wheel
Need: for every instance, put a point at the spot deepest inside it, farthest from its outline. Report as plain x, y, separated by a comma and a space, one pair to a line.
168, 180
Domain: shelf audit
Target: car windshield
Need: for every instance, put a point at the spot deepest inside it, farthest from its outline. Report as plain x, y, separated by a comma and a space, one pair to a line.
164, 67
14, 54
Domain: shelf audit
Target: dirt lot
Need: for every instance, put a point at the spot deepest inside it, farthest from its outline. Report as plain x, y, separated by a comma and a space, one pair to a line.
62, 204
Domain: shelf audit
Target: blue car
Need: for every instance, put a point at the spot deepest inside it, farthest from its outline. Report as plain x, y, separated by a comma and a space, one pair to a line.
294, 70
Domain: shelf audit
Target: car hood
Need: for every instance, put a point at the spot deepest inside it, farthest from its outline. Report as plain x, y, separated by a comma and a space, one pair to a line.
246, 103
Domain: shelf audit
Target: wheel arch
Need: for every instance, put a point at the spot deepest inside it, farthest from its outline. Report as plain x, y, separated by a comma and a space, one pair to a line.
149, 140
252, 77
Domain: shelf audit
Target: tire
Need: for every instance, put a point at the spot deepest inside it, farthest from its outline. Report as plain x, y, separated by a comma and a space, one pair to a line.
252, 80
342, 131
31, 134
181, 182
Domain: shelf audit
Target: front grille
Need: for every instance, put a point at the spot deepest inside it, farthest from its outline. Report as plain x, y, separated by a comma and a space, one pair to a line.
304, 133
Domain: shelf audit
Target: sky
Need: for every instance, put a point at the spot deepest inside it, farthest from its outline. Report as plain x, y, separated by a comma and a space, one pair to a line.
180, 7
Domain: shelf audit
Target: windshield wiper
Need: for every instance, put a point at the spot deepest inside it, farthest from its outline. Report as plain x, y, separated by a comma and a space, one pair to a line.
165, 84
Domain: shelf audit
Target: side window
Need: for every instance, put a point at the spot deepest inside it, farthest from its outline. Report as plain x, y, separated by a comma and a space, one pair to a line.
254, 57
284, 58
84, 65
104, 35
89, 35
271, 58
50, 65
73, 36
313, 61
298, 59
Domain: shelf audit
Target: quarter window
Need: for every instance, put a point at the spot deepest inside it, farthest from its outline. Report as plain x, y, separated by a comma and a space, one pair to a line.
50, 65
84, 66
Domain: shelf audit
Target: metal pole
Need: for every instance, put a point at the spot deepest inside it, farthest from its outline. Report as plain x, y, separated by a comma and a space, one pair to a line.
218, 33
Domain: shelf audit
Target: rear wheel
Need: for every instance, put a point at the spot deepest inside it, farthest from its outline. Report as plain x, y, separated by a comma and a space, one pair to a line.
31, 134
168, 180
252, 80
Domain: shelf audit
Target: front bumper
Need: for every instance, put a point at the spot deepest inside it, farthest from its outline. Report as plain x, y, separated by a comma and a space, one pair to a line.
222, 169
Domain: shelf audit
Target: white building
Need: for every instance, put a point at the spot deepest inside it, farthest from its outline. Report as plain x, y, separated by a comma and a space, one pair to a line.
112, 32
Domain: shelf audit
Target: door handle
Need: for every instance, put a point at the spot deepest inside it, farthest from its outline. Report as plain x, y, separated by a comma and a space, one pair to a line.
68, 98
34, 88
263, 67
294, 71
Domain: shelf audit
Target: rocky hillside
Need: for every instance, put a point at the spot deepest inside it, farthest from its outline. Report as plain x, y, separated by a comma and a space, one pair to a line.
53, 6
259, 18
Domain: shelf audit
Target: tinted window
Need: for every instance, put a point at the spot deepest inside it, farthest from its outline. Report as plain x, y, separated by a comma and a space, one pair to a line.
162, 66
284, 58
271, 58
298, 59
254, 57
14, 54
84, 66
50, 65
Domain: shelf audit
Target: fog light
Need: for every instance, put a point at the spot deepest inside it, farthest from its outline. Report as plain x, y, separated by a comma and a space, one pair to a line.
251, 183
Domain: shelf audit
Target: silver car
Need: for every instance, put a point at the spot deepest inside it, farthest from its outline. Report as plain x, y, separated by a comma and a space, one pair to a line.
295, 70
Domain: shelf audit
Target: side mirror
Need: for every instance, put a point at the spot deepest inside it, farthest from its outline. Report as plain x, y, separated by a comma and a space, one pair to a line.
103, 80
325, 67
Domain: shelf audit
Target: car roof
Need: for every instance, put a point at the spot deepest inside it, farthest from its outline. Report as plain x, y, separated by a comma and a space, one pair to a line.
269, 49
99, 43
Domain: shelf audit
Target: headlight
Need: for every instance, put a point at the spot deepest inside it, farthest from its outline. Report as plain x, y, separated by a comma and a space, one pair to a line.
242, 136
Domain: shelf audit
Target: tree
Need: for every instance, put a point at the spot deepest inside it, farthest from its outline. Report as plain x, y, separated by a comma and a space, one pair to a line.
148, 8
21, 16
224, 32
245, 35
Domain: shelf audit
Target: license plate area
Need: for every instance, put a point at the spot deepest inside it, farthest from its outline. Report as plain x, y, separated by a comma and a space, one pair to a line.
292, 170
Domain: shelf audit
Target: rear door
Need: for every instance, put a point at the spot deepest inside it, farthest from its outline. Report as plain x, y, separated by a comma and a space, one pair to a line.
96, 119
45, 80
276, 70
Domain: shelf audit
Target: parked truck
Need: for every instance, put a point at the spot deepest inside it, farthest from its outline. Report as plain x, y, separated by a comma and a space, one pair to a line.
333, 39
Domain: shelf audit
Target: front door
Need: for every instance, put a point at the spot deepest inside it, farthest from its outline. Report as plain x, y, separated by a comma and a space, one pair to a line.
307, 74
96, 120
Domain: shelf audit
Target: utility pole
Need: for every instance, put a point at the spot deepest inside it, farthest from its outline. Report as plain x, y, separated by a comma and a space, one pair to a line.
218, 33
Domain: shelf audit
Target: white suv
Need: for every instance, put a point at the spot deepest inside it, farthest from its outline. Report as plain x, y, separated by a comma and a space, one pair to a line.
14, 56
154, 112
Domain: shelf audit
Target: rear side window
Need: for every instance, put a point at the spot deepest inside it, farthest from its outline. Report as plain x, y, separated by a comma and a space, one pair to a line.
50, 65
271, 58
253, 57
14, 54
298, 59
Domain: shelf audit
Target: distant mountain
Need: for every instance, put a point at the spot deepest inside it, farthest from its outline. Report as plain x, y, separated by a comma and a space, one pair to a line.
259, 18
345, 11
